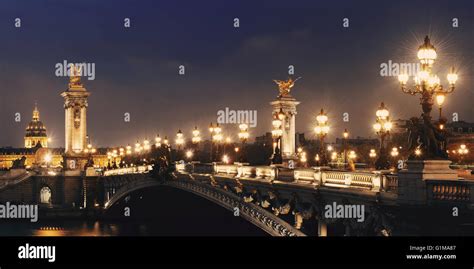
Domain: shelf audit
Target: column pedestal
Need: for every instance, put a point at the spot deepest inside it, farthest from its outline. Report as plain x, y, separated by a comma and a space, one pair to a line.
411, 181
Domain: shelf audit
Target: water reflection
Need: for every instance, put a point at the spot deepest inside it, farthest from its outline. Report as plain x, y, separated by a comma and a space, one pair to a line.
155, 212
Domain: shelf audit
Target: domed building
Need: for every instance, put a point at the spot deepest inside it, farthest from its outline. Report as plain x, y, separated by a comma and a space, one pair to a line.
36, 132
36, 151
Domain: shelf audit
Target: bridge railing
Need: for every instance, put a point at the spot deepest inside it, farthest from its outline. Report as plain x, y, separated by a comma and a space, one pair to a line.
129, 170
15, 178
450, 191
374, 181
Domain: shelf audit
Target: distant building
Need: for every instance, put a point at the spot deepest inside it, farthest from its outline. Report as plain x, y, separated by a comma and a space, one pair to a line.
264, 140
37, 152
399, 126
300, 139
460, 133
358, 141
36, 132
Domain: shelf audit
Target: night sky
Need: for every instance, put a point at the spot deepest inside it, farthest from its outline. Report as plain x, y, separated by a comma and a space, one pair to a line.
137, 67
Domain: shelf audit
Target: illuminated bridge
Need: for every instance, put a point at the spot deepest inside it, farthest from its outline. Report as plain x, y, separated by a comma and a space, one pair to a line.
288, 202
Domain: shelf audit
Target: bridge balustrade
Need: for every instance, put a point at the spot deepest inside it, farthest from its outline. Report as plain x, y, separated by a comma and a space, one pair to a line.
371, 181
203, 168
129, 170
227, 169
307, 174
247, 171
266, 172
364, 180
390, 183
454, 191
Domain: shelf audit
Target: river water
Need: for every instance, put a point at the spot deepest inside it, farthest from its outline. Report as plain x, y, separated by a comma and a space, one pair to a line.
159, 211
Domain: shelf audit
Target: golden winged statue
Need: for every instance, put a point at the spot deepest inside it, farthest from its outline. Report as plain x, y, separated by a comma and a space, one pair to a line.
285, 86
75, 76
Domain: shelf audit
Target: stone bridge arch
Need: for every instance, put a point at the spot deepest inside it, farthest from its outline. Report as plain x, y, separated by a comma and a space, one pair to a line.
254, 214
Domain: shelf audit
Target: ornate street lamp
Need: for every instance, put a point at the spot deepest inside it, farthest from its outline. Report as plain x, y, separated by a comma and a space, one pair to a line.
427, 85
158, 141
462, 151
217, 138
179, 139
196, 136
146, 145
303, 159
382, 127
189, 154
196, 139
277, 133
352, 155
321, 130
138, 147
345, 135
243, 136
394, 153
440, 97
372, 155
211, 130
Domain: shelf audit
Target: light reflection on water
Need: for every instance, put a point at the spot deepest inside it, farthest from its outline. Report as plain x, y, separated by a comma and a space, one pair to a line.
153, 215
72, 228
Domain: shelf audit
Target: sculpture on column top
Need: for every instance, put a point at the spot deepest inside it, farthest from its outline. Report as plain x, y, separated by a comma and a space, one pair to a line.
285, 86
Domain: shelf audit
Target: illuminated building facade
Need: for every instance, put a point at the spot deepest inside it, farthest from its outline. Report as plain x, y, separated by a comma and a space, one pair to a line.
36, 132
75, 155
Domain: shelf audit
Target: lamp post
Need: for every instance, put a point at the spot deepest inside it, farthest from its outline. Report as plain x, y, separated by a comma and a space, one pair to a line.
146, 145
158, 141
321, 130
462, 151
196, 136
345, 135
217, 138
352, 156
427, 85
382, 127
372, 155
394, 153
243, 136
179, 143
211, 130
179, 139
189, 155
196, 139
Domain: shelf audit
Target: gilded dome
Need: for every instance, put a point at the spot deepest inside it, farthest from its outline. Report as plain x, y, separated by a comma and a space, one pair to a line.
35, 128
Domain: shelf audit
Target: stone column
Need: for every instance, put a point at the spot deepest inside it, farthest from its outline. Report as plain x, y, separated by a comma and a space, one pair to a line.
75, 106
287, 104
